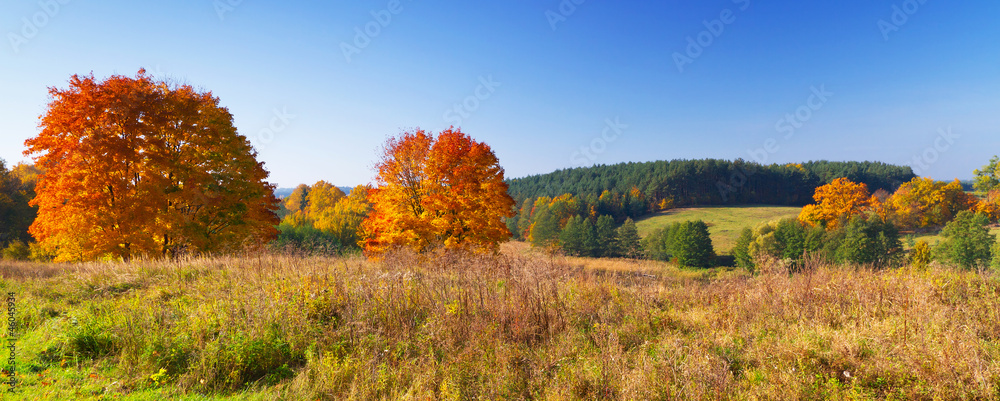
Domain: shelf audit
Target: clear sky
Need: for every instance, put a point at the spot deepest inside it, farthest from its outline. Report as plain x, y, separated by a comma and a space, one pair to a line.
548, 84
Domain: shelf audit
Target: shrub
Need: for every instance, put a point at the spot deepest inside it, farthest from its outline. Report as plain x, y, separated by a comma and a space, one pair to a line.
688, 242
920, 256
786, 239
741, 250
968, 241
870, 240
306, 239
16, 250
39, 253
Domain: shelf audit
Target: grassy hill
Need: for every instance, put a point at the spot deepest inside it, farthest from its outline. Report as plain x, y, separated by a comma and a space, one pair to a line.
724, 223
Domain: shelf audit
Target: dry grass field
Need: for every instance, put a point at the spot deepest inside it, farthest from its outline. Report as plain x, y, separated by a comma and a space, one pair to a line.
518, 325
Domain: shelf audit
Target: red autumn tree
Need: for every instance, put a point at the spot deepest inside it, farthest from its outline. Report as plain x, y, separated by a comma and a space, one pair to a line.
447, 190
137, 167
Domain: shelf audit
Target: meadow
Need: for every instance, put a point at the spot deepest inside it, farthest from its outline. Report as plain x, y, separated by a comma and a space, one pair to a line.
724, 222
934, 237
516, 325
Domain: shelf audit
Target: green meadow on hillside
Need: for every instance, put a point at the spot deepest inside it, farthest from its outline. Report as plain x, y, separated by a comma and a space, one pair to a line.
724, 222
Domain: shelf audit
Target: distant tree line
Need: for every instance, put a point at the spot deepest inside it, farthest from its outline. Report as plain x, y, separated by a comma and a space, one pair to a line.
849, 224
634, 189
580, 237
17, 188
848, 221
864, 239
600, 196
321, 219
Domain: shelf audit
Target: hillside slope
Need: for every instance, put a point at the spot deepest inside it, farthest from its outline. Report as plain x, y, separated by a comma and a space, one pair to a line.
724, 223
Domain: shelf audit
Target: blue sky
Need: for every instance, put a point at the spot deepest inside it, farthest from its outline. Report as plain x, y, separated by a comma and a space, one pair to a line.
548, 84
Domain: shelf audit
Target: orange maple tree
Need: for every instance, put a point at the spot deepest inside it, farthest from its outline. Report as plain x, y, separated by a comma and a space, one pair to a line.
137, 167
445, 191
836, 202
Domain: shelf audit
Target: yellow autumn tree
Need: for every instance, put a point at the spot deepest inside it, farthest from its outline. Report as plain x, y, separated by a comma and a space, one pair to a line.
431, 191
325, 208
296, 202
343, 219
835, 203
923, 202
322, 197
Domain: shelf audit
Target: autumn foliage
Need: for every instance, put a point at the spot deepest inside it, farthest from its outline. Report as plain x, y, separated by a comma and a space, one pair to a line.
919, 203
990, 205
327, 209
137, 167
836, 202
923, 202
431, 191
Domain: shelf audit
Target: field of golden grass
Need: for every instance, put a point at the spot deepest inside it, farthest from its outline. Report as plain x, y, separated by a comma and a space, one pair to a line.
517, 325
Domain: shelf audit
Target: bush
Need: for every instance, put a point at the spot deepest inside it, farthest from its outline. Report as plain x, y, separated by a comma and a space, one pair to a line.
306, 239
968, 241
688, 242
920, 256
869, 240
657, 245
786, 239
40, 254
741, 250
16, 250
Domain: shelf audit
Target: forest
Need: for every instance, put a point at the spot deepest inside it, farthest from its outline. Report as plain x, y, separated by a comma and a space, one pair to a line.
705, 182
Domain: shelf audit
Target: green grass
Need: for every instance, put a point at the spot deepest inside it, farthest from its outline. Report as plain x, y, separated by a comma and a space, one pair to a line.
934, 238
724, 223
